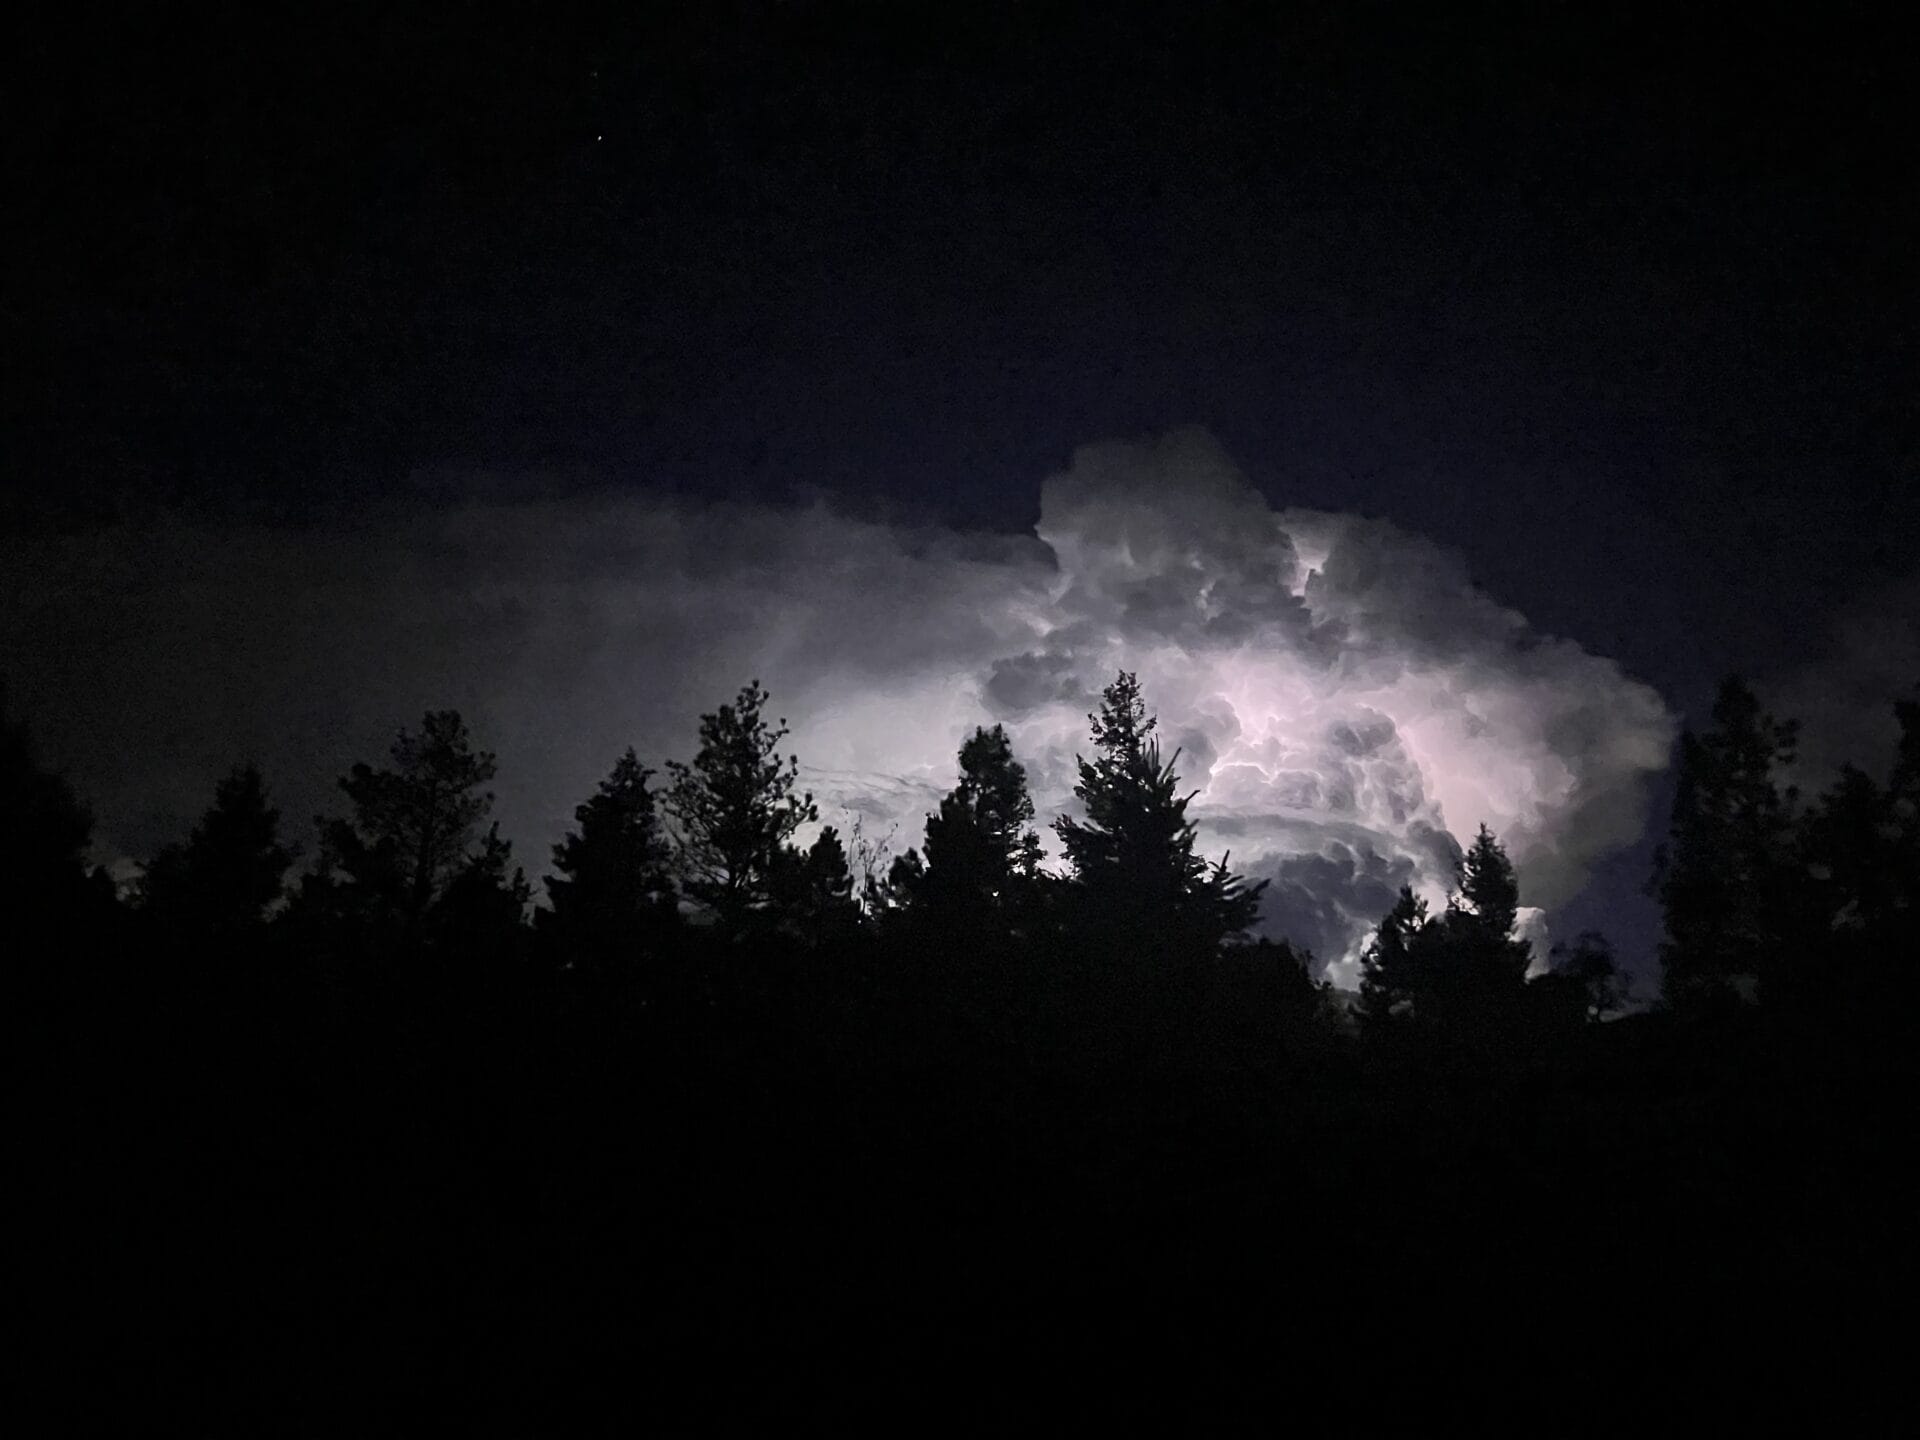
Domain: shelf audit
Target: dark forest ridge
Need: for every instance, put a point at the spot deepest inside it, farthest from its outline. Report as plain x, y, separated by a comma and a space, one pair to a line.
1751, 879
383, 1129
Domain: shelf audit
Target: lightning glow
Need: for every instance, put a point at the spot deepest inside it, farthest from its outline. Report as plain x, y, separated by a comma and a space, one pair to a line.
1347, 706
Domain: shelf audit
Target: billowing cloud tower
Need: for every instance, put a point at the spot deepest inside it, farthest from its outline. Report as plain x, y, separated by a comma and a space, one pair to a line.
1345, 702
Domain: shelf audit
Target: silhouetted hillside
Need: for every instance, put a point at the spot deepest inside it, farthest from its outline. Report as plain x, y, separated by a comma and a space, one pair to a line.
963, 1140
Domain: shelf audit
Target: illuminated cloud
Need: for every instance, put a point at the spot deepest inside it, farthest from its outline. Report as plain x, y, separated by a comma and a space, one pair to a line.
1346, 703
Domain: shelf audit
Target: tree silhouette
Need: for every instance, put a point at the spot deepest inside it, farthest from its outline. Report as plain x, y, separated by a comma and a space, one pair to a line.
1858, 859
412, 827
982, 863
44, 830
1582, 985
614, 892
1068, 1101
1458, 969
1903, 810
1133, 859
1849, 839
229, 872
811, 891
735, 808
1724, 877
1389, 968
902, 885
481, 913
1482, 915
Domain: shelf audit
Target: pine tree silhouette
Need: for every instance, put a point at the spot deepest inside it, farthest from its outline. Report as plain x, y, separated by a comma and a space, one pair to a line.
810, 891
1903, 812
480, 915
1582, 984
1724, 877
735, 809
1389, 969
1461, 970
1133, 859
221, 882
981, 869
412, 827
1482, 916
613, 895
44, 832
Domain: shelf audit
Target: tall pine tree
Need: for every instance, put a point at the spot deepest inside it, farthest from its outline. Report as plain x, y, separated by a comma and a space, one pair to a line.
1462, 968
1859, 849
1136, 874
1483, 916
613, 893
1903, 814
1389, 970
412, 827
481, 914
981, 869
1725, 877
735, 808
811, 891
44, 834
229, 872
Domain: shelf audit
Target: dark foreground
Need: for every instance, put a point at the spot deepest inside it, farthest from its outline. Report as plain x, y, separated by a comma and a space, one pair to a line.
333, 1200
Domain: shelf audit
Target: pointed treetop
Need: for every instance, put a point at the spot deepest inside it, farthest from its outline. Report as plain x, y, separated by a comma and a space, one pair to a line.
1488, 887
1122, 726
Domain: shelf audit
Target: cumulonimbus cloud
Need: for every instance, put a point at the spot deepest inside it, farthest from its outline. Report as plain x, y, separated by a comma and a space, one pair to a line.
1347, 704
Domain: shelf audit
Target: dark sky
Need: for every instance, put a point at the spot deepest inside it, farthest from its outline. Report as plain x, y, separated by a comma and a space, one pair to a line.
1621, 307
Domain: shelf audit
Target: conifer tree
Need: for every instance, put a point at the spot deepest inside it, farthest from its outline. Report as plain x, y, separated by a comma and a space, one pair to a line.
44, 832
1588, 968
1724, 875
1133, 859
1848, 842
230, 870
1482, 916
811, 891
982, 861
1459, 968
481, 913
613, 893
735, 808
412, 827
1389, 969
1859, 855
1903, 814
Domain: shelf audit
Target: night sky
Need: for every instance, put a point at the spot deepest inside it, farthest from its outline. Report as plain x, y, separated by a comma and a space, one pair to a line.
1621, 310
